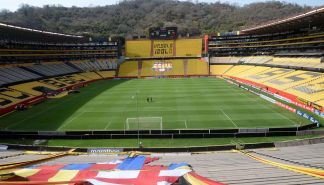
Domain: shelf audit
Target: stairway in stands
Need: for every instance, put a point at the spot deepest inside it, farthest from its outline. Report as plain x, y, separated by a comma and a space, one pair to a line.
32, 71
73, 66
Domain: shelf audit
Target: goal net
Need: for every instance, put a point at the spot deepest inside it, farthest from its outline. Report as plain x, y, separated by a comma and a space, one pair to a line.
144, 123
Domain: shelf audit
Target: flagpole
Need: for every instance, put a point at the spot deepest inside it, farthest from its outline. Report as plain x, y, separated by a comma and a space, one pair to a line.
138, 138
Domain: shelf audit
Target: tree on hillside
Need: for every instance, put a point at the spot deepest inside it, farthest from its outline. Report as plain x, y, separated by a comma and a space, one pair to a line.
135, 17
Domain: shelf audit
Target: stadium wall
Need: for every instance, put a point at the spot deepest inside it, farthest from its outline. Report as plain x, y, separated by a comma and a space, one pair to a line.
145, 134
163, 48
163, 68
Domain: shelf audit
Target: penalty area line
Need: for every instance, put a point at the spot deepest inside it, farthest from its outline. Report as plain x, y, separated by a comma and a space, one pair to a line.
108, 124
228, 118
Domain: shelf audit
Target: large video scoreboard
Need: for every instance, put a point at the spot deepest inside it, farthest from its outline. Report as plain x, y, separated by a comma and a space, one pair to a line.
163, 33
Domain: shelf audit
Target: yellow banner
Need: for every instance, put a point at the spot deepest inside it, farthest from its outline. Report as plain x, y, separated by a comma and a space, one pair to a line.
163, 48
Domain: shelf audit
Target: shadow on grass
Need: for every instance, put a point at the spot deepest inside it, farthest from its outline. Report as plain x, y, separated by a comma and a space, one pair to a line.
51, 114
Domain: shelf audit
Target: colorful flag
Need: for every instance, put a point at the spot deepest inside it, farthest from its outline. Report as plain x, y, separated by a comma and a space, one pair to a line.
130, 171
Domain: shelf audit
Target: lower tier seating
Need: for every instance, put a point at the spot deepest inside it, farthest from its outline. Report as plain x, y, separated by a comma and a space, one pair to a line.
170, 67
10, 97
304, 84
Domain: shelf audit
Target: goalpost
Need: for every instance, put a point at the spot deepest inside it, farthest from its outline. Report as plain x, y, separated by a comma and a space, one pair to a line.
144, 123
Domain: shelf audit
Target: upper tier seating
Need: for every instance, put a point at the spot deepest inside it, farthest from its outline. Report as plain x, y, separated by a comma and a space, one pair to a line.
237, 60
53, 69
107, 74
306, 62
95, 65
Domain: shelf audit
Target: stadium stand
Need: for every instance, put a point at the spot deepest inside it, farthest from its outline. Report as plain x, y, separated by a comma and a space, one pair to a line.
305, 84
284, 58
282, 165
219, 69
39, 63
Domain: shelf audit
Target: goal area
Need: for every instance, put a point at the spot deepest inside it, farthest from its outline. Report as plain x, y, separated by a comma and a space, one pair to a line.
144, 123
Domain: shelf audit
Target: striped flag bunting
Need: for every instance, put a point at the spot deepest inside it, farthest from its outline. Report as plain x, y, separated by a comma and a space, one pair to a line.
135, 170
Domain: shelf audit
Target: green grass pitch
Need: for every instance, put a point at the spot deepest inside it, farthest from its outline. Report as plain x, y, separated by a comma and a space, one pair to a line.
186, 103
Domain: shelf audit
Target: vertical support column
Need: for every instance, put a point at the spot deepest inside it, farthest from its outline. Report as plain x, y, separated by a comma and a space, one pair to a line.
152, 44
185, 67
174, 48
139, 67
206, 44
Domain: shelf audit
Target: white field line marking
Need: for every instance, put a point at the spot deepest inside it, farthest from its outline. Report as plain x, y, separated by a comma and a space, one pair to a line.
284, 116
68, 122
34, 115
108, 125
185, 122
229, 118
281, 115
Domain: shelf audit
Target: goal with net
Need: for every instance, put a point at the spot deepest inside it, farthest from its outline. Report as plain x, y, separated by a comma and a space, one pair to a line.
144, 123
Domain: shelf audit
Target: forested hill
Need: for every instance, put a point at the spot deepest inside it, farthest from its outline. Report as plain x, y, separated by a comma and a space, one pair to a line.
136, 16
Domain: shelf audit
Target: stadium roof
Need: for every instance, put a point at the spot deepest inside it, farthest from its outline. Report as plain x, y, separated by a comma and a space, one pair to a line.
17, 33
38, 31
305, 20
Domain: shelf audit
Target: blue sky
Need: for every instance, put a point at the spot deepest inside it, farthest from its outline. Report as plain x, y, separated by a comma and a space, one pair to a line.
14, 4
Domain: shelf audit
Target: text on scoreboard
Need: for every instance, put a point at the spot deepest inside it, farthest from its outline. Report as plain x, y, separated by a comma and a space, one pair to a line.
163, 48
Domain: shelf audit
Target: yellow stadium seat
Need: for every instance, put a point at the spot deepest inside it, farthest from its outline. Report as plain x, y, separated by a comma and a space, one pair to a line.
237, 70
128, 69
177, 68
147, 69
29, 87
10, 97
219, 69
91, 75
183, 49
293, 79
312, 91
197, 67
79, 77
138, 48
107, 74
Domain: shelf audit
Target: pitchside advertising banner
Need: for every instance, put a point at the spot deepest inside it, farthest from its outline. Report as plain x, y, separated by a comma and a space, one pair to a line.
105, 150
291, 109
307, 116
163, 48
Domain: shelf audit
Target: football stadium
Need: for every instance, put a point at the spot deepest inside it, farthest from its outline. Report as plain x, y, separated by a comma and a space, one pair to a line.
239, 107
